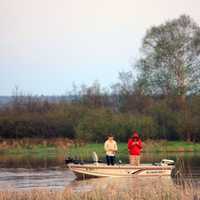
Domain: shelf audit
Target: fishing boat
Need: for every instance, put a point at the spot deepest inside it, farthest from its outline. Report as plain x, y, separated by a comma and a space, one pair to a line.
97, 170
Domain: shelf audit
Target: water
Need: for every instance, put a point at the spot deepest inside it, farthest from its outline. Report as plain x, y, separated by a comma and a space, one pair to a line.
28, 172
21, 178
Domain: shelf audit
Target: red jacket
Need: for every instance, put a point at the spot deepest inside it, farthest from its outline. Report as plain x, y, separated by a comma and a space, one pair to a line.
134, 149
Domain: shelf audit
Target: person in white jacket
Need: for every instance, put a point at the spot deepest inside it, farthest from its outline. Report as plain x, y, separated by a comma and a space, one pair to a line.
111, 148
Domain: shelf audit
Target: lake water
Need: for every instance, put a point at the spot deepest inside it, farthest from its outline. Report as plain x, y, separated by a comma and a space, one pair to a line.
19, 172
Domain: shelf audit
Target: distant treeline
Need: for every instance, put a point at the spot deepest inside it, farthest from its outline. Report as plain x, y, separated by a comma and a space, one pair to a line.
94, 113
162, 102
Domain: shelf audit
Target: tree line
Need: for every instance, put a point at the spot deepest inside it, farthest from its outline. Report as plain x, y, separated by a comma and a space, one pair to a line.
161, 102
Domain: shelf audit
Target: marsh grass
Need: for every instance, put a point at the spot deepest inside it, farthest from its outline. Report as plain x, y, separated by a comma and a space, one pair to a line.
34, 145
128, 189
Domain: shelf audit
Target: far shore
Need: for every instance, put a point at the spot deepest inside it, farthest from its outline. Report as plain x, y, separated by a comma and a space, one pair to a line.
66, 146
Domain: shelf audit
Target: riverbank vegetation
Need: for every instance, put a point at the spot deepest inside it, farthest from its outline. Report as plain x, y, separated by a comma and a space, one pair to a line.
73, 148
148, 147
158, 118
162, 102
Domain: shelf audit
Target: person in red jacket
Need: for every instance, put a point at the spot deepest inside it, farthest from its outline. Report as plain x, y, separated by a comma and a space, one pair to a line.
134, 148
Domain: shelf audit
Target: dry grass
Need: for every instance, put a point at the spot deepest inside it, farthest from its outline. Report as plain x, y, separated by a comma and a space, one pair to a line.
33, 142
128, 189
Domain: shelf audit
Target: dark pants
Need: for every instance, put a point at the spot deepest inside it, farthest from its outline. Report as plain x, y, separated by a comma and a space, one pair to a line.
110, 160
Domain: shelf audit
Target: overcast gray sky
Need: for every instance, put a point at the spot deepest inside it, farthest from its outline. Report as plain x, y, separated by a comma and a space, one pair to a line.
46, 45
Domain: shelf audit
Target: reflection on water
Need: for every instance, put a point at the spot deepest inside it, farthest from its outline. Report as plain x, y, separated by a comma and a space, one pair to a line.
22, 172
30, 161
27, 178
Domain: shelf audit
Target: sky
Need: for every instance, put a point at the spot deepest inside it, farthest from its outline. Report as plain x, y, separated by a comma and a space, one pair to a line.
47, 45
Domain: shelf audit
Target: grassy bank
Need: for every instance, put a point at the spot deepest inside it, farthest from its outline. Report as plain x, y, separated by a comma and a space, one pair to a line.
73, 148
114, 189
148, 147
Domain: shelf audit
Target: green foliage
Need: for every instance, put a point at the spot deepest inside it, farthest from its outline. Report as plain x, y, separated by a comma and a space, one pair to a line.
95, 125
28, 124
160, 121
98, 123
166, 120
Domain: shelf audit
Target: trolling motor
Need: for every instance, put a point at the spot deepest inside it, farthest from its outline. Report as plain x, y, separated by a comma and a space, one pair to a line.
69, 160
94, 160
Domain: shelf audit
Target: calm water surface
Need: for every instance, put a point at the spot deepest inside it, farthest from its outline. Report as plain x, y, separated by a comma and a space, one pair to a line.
28, 172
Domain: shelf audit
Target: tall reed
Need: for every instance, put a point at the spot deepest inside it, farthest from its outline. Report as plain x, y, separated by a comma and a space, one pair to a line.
114, 189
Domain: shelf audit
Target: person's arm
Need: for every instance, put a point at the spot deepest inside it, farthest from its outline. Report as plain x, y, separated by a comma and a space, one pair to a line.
139, 144
115, 147
106, 146
129, 144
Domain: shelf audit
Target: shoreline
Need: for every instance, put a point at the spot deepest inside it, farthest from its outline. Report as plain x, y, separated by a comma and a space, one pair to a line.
65, 146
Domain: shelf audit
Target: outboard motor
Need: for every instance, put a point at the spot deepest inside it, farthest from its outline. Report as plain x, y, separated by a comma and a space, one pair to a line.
166, 162
69, 160
95, 160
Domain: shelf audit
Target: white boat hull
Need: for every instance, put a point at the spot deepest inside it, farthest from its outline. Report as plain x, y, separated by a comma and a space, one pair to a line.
102, 170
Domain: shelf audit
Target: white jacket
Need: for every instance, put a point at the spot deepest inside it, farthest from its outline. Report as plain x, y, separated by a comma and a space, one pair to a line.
110, 147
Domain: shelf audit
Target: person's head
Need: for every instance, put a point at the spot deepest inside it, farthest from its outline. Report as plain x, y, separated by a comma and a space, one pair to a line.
135, 136
110, 137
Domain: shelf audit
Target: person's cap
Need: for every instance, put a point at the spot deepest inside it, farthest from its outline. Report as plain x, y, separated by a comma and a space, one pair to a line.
135, 134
